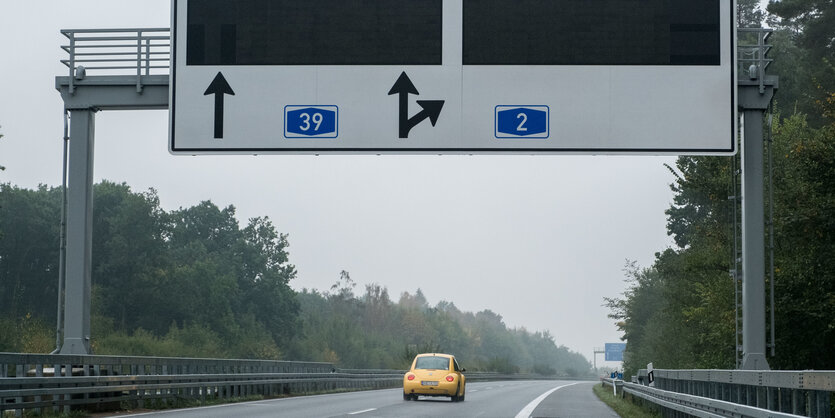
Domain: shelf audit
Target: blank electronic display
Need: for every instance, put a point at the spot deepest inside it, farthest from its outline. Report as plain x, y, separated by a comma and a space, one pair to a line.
314, 32
591, 32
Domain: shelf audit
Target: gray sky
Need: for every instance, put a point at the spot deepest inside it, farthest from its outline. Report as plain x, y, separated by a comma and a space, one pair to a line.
539, 240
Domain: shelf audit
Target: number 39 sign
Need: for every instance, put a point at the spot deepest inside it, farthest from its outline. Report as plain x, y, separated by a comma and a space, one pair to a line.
311, 121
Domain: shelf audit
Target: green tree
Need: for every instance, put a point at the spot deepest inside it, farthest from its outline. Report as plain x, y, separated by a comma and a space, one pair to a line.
749, 14
265, 279
370, 330
130, 257
804, 56
813, 22
804, 224
29, 248
679, 313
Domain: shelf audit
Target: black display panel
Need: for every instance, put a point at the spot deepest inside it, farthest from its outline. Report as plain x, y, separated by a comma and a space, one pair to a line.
314, 32
591, 32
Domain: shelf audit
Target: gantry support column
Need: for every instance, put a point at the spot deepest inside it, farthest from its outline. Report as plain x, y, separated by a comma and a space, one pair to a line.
79, 233
87, 96
753, 103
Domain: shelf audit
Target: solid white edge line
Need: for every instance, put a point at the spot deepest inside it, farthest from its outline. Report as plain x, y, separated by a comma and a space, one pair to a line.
232, 404
363, 411
528, 409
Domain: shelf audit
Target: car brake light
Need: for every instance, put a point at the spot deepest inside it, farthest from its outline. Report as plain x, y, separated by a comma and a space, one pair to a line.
450, 378
410, 377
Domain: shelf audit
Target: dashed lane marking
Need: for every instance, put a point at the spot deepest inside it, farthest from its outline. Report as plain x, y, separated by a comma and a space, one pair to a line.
362, 412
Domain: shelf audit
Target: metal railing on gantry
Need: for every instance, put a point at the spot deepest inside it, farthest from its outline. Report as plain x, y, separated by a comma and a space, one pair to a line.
134, 52
752, 48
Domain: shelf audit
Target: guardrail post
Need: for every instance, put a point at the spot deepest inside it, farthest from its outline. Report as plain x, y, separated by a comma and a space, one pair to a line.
67, 398
56, 372
798, 401
784, 400
760, 401
813, 404
824, 404
18, 374
39, 398
141, 371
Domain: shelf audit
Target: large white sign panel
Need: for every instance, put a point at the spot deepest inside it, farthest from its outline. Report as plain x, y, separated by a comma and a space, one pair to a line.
452, 76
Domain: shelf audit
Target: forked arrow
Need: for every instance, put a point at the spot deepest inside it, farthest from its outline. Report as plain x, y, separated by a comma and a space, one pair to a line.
430, 108
219, 87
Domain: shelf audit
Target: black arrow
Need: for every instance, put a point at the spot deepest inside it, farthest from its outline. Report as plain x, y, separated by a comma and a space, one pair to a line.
219, 87
430, 108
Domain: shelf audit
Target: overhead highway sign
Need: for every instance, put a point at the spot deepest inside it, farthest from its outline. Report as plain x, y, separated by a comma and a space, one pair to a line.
453, 76
614, 351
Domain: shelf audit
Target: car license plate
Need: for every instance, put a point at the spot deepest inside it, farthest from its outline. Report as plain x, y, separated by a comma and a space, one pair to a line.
429, 383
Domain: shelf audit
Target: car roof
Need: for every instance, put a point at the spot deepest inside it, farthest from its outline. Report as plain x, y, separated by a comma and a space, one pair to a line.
435, 355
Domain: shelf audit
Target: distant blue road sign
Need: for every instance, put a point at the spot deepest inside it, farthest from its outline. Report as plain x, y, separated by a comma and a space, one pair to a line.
521, 121
311, 121
614, 351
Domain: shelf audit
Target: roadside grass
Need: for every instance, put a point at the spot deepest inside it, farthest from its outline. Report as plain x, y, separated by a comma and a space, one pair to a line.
624, 406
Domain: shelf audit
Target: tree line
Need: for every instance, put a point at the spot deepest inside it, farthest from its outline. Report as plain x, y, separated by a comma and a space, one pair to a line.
680, 311
195, 282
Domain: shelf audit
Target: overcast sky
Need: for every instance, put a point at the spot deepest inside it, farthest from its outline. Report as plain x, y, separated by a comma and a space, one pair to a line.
539, 240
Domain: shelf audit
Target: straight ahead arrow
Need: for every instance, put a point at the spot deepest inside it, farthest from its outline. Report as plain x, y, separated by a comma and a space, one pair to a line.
219, 87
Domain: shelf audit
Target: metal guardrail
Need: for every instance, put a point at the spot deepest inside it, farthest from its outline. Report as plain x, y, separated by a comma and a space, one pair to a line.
64, 392
59, 382
39, 365
135, 52
739, 393
699, 406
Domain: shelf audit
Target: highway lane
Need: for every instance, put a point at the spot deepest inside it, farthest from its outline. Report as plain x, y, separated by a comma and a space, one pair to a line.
483, 399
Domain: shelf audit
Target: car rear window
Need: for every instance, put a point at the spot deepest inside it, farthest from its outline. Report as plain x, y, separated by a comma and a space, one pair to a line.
436, 363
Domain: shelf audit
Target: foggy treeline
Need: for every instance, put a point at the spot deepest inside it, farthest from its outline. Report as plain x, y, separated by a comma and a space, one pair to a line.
679, 312
193, 282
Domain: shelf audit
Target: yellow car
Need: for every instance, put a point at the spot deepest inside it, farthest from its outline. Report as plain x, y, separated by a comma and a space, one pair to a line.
434, 374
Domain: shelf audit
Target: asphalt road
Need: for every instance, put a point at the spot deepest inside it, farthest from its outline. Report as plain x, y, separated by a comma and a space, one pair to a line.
483, 399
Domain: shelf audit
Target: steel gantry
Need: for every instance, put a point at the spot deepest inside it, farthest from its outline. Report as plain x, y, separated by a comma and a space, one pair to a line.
127, 69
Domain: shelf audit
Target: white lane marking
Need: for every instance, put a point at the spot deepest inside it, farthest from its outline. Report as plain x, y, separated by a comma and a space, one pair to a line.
363, 411
261, 402
528, 409
473, 390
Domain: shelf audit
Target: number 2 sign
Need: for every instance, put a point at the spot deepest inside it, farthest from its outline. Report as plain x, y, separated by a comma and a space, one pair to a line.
521, 121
